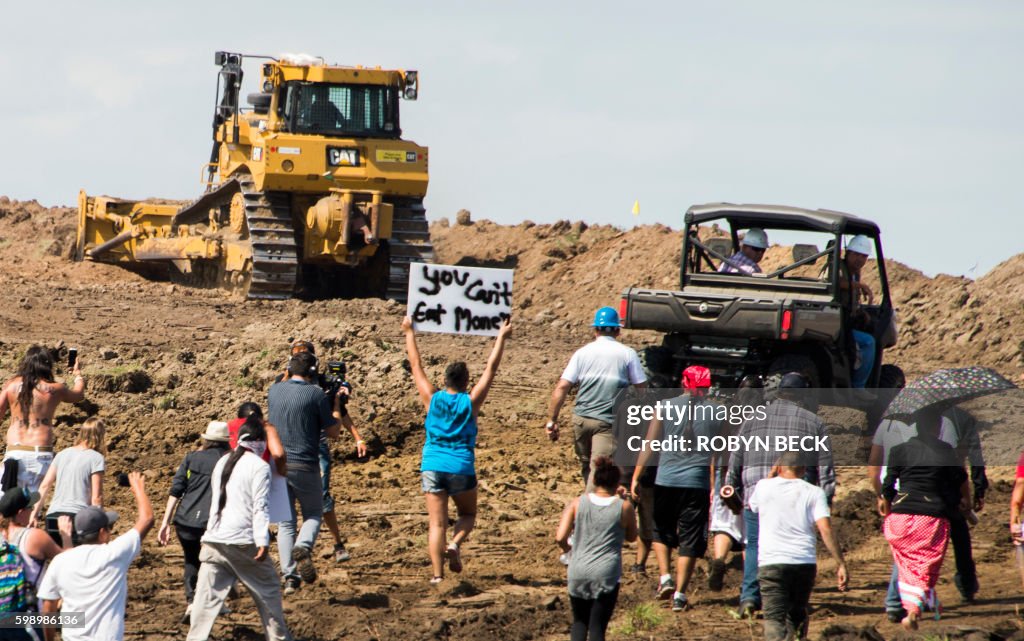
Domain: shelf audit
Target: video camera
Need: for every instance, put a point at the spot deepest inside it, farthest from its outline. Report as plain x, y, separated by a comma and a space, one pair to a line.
333, 379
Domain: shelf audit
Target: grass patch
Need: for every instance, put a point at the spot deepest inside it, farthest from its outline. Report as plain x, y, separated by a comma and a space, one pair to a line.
642, 618
245, 382
264, 353
167, 402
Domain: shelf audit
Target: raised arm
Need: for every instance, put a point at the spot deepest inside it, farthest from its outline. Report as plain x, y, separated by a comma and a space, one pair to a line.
423, 386
144, 521
75, 393
479, 393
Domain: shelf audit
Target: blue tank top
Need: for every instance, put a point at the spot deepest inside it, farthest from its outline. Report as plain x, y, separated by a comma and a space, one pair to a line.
451, 434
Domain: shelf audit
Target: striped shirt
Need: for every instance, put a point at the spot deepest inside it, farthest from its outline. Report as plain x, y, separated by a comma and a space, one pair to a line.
301, 413
751, 463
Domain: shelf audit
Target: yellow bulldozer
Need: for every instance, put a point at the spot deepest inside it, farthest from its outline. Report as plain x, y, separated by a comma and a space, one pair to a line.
309, 191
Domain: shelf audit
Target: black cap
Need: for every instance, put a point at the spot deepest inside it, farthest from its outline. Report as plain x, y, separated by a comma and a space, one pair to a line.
16, 499
794, 380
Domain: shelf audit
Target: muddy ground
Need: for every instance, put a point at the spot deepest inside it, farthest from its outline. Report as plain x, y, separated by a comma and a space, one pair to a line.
161, 361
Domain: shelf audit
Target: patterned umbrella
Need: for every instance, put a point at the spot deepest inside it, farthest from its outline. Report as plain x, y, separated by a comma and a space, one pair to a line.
947, 387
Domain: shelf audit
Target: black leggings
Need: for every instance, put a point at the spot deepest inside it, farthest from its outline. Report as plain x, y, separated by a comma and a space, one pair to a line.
190, 545
592, 616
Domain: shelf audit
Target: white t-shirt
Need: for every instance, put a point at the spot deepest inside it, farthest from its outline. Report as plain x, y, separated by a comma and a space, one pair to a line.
602, 368
93, 579
787, 510
891, 433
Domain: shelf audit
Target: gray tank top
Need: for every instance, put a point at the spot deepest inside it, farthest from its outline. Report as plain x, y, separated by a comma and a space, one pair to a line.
596, 564
33, 566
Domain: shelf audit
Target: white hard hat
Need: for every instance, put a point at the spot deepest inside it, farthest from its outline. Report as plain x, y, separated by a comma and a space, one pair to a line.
756, 238
860, 244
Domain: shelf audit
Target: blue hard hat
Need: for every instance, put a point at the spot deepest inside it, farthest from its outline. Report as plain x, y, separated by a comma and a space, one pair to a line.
606, 317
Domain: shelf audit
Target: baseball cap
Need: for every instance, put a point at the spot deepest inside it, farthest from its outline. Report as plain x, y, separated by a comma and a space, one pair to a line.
92, 519
16, 499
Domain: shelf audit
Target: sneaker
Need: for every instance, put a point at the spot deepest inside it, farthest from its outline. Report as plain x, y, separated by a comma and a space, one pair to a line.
747, 610
638, 570
187, 617
665, 589
436, 580
678, 602
716, 575
341, 554
304, 564
895, 616
454, 558
291, 585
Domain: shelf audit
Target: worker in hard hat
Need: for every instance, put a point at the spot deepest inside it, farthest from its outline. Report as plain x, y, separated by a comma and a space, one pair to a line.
602, 369
851, 291
747, 259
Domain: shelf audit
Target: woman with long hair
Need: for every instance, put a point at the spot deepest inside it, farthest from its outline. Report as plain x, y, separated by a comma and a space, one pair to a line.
932, 485
188, 505
598, 521
237, 538
448, 467
32, 397
77, 474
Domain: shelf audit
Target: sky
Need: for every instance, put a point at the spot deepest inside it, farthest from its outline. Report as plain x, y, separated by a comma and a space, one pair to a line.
906, 113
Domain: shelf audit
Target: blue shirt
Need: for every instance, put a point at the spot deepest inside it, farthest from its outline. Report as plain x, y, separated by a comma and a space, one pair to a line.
691, 469
451, 434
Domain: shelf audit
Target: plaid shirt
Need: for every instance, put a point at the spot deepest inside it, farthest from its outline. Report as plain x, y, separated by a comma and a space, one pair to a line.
748, 465
738, 263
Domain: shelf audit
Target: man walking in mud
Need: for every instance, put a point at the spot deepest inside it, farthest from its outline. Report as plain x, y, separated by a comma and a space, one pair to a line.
785, 417
32, 397
602, 369
302, 413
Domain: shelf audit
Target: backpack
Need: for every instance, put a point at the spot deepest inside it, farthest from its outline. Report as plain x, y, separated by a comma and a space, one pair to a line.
14, 589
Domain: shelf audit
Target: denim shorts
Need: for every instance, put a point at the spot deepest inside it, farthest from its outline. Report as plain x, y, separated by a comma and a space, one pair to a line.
437, 482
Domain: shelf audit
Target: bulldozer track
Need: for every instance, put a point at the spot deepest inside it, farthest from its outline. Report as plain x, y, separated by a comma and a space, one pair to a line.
275, 260
409, 243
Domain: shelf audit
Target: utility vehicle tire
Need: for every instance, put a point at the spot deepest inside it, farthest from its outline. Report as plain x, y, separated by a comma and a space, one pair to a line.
791, 363
659, 365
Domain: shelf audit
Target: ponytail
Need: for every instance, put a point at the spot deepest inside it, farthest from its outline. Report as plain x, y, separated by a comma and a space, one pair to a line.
252, 430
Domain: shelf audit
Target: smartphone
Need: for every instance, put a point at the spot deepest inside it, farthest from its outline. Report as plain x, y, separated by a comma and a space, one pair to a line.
122, 480
72, 357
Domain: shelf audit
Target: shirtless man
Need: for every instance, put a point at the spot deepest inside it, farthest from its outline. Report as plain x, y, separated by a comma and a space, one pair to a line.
30, 441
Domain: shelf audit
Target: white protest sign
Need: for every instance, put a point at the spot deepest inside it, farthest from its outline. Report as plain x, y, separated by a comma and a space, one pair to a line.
459, 300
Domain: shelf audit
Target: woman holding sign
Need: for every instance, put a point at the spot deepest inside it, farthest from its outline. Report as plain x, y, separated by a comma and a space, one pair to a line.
448, 465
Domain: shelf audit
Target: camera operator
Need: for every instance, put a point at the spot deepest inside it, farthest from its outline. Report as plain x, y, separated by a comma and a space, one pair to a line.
334, 384
302, 414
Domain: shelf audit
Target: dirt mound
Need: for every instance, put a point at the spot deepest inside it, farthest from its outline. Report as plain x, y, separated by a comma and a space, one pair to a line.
162, 360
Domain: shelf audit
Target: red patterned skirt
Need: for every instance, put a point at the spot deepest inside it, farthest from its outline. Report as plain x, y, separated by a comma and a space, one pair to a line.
918, 547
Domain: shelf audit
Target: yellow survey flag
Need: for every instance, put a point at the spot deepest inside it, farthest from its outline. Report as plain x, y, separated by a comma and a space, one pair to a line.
636, 207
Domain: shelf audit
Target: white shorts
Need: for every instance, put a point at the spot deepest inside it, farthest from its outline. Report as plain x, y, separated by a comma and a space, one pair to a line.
32, 467
725, 522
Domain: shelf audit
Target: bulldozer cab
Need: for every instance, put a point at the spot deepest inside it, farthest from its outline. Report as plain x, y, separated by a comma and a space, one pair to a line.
336, 110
